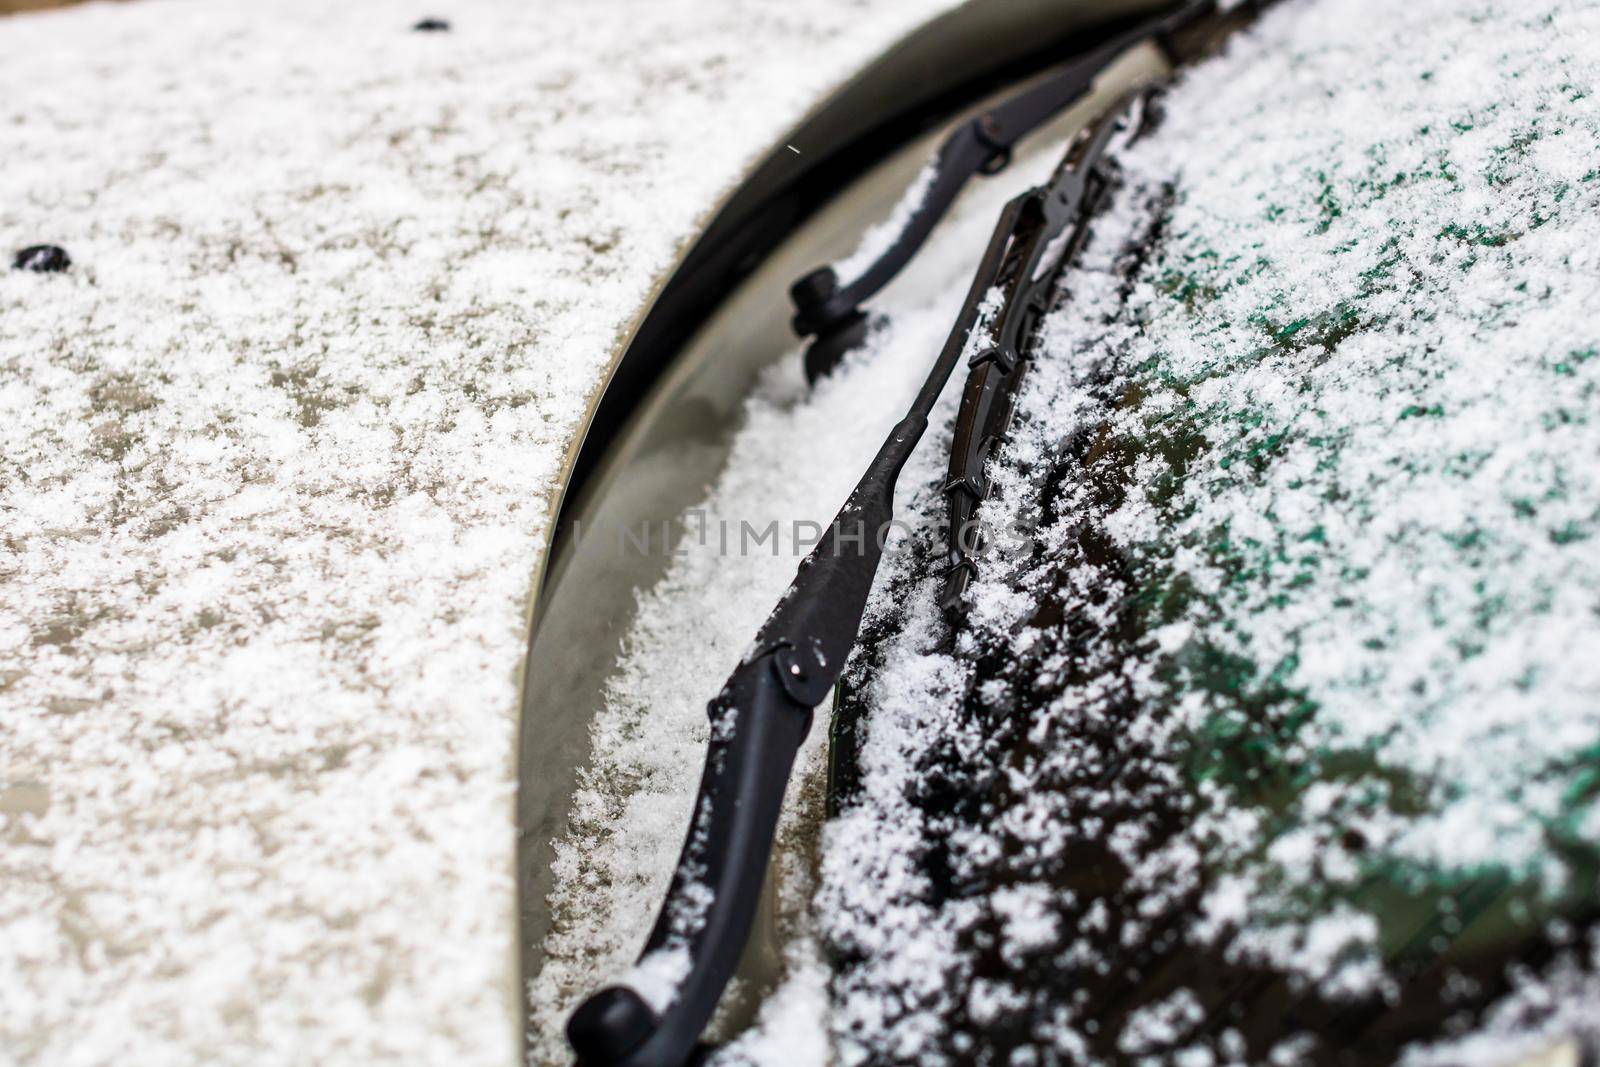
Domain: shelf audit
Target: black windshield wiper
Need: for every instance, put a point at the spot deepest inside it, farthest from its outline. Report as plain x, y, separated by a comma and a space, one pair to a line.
764, 711
830, 311
995, 370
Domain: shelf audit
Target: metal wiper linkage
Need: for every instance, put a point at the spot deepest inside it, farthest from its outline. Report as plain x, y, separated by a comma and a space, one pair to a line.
764, 710
831, 312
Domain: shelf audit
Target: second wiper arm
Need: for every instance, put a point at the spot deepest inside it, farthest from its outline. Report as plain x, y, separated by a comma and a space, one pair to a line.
654, 1017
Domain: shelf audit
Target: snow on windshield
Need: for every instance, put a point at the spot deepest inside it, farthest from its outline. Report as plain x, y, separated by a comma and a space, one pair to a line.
1295, 702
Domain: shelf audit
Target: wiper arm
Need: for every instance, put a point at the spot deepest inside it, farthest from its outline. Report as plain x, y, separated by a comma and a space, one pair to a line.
764, 711
831, 311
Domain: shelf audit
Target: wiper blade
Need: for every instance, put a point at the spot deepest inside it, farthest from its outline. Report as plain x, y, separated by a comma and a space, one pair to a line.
995, 370
831, 311
764, 711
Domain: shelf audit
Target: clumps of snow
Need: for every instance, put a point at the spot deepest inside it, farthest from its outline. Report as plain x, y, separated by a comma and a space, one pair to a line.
879, 237
1291, 705
274, 472
790, 1027
1026, 920
658, 974
1547, 1020
1163, 1024
982, 333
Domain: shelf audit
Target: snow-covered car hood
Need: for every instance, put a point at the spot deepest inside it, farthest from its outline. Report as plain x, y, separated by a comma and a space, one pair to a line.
278, 456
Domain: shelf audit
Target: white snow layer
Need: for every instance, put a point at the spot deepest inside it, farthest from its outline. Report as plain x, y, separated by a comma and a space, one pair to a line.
274, 470
1373, 300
